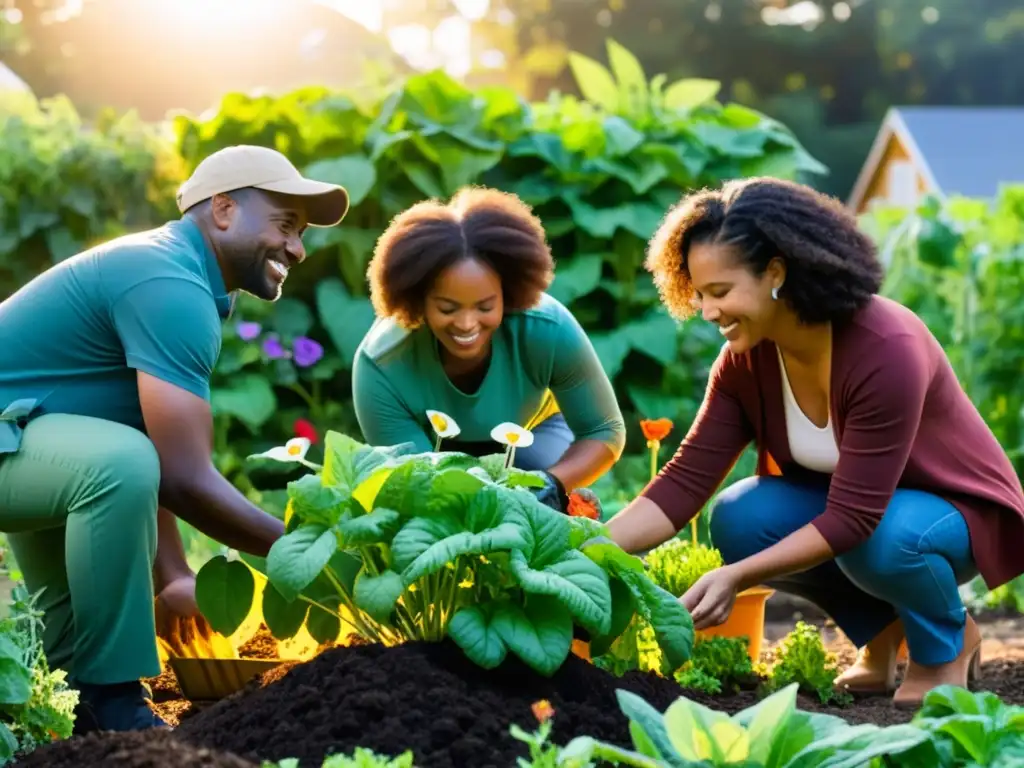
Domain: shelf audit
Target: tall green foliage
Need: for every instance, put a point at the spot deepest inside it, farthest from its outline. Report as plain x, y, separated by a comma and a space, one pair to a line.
599, 172
64, 187
960, 267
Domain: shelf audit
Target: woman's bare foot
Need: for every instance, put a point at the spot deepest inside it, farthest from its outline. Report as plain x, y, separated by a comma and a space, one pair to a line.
874, 671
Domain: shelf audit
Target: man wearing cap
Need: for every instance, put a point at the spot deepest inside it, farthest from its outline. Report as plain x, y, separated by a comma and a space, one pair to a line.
105, 424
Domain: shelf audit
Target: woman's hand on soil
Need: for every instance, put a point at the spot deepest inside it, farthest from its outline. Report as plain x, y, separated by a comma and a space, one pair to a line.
710, 600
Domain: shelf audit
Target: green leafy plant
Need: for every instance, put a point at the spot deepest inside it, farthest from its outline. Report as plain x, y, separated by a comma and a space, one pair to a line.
771, 734
361, 758
717, 663
677, 564
966, 728
428, 546
801, 658
36, 704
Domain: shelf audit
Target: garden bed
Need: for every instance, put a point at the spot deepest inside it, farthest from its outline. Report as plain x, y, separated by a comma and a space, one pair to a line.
430, 699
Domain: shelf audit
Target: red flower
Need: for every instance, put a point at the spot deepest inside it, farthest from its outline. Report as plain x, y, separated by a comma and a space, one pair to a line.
304, 428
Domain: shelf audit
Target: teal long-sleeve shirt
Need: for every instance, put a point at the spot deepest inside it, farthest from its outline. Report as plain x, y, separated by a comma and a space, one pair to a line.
541, 363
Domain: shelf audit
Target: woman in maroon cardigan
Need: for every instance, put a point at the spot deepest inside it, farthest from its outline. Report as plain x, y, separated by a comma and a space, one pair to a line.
879, 487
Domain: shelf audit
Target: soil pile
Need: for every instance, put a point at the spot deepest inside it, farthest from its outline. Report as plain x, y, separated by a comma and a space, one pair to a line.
150, 749
426, 697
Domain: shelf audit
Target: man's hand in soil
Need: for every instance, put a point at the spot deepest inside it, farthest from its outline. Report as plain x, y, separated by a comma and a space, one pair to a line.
178, 620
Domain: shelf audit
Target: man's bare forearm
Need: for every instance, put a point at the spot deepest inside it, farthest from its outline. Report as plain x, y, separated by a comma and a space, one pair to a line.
211, 504
170, 563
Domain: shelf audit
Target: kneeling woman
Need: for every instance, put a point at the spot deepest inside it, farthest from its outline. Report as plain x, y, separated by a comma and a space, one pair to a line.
465, 328
879, 488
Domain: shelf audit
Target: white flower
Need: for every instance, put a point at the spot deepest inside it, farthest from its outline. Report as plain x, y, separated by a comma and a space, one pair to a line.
443, 424
512, 435
294, 450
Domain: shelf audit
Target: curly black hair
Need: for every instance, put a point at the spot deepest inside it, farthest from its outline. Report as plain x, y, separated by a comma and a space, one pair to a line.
494, 227
832, 268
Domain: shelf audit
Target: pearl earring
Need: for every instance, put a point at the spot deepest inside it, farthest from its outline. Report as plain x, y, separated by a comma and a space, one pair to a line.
775, 294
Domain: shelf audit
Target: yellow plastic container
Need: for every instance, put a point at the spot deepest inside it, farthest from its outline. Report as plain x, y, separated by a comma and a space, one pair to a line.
213, 679
747, 618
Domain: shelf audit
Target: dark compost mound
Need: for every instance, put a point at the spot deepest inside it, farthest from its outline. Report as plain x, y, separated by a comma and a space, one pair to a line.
426, 697
136, 749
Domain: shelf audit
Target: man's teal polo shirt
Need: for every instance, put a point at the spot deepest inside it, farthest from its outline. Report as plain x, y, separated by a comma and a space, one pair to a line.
72, 339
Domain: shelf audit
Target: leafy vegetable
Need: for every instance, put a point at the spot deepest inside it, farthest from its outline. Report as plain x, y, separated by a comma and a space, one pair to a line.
425, 546
36, 704
802, 659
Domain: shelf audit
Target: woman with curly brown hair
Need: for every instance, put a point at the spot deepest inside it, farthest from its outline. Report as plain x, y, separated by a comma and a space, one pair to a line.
465, 328
879, 488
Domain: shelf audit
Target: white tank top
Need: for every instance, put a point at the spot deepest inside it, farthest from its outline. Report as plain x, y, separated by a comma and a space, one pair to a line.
812, 447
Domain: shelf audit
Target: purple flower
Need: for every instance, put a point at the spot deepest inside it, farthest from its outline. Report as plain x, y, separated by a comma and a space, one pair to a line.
272, 348
249, 331
307, 352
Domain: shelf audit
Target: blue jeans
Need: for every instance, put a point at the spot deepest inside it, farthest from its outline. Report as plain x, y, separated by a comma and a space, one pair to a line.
551, 438
910, 567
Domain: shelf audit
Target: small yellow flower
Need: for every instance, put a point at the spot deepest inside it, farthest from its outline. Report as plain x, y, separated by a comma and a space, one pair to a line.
294, 450
512, 435
443, 424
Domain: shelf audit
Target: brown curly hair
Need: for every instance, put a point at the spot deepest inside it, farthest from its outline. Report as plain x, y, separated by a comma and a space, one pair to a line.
494, 227
832, 268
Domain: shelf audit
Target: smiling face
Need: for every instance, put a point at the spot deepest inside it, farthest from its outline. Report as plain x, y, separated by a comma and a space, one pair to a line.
734, 298
464, 307
258, 239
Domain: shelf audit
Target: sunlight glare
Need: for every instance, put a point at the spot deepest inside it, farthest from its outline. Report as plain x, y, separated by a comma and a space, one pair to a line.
233, 13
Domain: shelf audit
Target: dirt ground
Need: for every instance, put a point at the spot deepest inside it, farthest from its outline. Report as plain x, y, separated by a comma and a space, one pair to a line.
428, 698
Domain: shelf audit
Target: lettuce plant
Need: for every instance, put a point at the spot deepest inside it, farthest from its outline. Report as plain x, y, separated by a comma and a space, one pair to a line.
425, 546
770, 734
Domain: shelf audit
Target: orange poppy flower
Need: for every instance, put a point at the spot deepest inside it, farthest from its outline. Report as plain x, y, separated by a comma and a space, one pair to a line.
580, 506
542, 710
656, 429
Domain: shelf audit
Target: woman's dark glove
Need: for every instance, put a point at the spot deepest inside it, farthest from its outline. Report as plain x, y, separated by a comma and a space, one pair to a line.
552, 493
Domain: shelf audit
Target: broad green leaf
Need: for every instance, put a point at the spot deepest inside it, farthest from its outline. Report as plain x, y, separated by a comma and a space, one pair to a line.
690, 93
577, 277
631, 79
356, 173
15, 675
224, 593
418, 535
540, 633
8, 743
622, 612
621, 138
248, 398
349, 463
297, 558
671, 622
770, 721
595, 82
322, 626
284, 618
376, 527
291, 318
452, 490
575, 581
346, 318
698, 733
471, 629
547, 531
407, 489
377, 595
651, 723
485, 527
313, 502
857, 745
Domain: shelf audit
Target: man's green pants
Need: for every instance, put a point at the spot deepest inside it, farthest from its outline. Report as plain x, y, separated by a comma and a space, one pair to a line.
79, 502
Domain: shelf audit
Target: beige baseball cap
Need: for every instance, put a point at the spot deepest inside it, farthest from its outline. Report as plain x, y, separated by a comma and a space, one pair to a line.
246, 165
